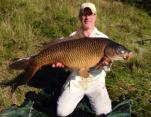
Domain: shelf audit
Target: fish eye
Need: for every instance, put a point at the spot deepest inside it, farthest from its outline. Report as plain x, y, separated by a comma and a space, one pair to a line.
122, 51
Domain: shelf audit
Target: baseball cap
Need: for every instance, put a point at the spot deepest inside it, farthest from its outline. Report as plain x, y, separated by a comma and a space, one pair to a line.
89, 5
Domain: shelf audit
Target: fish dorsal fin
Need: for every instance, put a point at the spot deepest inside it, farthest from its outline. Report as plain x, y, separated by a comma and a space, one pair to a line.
46, 45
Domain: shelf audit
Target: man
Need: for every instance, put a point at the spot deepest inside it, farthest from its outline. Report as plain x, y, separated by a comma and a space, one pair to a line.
76, 87
94, 86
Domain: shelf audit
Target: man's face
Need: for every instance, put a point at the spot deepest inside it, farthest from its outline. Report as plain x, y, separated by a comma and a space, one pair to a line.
88, 19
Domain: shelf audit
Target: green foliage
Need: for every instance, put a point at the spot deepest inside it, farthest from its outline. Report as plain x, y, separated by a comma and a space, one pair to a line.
143, 4
26, 23
57, 28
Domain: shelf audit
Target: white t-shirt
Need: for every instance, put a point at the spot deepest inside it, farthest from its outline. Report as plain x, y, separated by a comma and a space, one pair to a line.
94, 33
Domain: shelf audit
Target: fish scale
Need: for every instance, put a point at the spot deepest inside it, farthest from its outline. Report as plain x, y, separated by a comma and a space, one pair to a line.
75, 54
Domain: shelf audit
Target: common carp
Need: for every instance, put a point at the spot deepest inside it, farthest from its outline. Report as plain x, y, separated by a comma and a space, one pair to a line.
77, 55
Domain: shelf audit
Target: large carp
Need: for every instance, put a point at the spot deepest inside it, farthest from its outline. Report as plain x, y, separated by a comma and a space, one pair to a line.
77, 54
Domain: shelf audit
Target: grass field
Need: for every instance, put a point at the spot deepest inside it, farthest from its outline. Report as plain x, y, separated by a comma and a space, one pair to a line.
24, 24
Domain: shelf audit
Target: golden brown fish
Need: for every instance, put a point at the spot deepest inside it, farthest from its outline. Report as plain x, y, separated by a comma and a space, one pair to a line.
77, 55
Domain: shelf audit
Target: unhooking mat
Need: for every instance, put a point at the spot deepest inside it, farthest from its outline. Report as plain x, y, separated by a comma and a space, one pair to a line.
34, 106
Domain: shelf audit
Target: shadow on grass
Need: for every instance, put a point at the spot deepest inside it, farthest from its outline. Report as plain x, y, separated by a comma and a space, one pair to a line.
51, 80
46, 78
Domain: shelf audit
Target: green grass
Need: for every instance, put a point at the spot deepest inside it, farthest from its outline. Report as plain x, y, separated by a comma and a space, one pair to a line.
24, 24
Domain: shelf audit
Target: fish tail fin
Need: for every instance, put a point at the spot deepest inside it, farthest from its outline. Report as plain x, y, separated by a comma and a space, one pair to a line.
19, 63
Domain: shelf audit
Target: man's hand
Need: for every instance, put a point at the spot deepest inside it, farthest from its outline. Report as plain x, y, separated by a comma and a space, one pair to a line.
58, 65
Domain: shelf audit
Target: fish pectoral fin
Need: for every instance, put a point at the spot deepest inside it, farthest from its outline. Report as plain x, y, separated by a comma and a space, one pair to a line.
84, 72
105, 61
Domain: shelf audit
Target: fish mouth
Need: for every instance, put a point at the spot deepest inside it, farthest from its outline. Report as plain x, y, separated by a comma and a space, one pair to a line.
128, 56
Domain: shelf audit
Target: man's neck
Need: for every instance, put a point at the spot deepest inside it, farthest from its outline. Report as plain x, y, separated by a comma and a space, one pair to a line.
87, 32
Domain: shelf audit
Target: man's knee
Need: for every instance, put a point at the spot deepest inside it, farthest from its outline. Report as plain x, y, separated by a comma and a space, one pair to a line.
64, 111
104, 108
